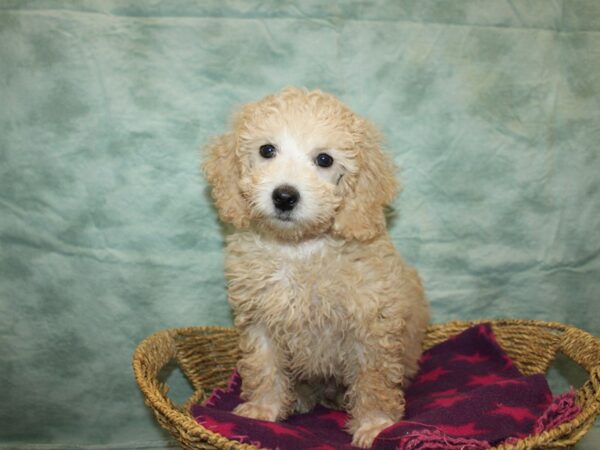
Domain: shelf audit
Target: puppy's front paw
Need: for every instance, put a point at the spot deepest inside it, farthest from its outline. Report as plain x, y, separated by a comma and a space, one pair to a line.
367, 431
256, 411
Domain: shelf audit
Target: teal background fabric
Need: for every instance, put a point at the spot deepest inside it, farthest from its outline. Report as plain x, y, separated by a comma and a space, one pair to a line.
491, 109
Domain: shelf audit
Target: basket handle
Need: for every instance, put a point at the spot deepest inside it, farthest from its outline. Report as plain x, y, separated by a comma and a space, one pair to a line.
581, 347
151, 356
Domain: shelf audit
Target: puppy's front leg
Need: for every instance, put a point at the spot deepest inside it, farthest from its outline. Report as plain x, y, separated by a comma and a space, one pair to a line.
375, 404
266, 388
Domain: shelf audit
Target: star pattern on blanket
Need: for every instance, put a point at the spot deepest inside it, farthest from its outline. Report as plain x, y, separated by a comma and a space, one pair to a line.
490, 378
514, 381
471, 359
483, 330
467, 429
281, 430
221, 427
445, 393
432, 375
445, 402
518, 413
453, 403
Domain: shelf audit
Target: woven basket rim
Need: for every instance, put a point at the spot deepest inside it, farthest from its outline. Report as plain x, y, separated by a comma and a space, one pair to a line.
181, 420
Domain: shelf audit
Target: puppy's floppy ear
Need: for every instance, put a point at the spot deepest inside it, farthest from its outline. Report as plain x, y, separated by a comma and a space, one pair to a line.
222, 168
361, 216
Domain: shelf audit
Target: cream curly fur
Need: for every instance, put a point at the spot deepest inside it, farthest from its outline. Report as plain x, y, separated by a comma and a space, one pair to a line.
326, 307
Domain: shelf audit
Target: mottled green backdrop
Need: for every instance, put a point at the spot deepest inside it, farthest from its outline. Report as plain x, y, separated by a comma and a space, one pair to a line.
491, 108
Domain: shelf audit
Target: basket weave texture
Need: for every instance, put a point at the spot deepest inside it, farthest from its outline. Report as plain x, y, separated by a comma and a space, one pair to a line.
207, 356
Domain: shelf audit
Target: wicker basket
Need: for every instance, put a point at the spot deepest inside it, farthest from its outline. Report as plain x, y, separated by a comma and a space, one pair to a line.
207, 355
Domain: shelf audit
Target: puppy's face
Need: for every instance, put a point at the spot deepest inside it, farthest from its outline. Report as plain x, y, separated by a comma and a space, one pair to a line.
299, 164
293, 164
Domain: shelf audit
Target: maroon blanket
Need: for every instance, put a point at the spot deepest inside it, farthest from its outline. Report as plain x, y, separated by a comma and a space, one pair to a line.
467, 395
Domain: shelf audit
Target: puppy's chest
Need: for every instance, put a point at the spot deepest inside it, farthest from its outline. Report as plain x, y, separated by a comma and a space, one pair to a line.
304, 293
308, 305
312, 322
291, 293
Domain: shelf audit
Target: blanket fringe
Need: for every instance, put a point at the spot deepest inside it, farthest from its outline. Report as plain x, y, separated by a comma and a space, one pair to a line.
562, 409
437, 440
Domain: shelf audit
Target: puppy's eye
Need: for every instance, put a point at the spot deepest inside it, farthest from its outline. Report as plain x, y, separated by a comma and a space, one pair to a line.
267, 151
323, 160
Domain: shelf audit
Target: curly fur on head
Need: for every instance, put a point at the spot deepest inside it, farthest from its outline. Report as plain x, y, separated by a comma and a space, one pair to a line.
365, 180
325, 305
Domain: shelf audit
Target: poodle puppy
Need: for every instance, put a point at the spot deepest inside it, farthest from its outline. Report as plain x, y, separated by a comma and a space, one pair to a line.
325, 306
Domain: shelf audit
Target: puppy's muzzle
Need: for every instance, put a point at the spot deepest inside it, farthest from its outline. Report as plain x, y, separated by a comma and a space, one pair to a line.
285, 198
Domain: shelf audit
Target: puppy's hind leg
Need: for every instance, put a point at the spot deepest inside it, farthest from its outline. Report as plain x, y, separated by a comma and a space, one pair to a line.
266, 389
307, 396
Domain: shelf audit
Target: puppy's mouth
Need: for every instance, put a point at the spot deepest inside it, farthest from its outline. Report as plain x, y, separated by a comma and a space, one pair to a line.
284, 216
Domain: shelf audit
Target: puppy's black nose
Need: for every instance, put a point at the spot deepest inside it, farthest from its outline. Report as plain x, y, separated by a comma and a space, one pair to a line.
285, 197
